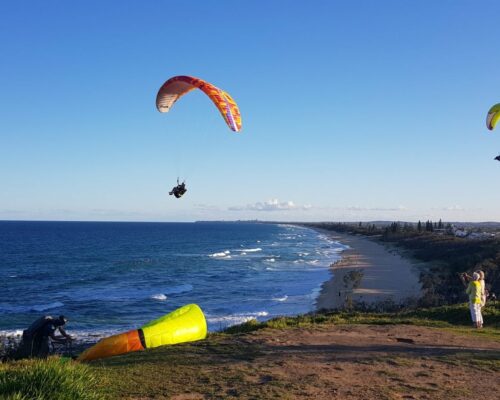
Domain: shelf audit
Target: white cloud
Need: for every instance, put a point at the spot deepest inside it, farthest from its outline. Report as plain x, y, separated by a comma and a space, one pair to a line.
454, 208
206, 207
357, 208
271, 205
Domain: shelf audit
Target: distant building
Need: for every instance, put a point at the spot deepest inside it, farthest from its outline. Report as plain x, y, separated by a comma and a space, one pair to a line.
460, 232
463, 233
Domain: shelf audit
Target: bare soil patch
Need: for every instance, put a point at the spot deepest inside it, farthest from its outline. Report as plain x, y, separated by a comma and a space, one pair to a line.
323, 362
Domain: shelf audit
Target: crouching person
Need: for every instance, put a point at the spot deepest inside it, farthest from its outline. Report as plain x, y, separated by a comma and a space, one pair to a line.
36, 338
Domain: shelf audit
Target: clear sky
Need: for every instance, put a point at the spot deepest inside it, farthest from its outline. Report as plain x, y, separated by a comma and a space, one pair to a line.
351, 110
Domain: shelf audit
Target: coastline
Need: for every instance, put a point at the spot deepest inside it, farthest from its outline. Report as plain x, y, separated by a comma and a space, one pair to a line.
370, 273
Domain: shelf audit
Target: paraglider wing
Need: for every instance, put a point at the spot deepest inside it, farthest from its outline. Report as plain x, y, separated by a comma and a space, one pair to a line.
186, 324
493, 117
113, 346
178, 86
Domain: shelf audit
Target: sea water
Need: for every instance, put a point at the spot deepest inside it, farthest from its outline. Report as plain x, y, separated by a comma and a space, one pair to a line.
109, 277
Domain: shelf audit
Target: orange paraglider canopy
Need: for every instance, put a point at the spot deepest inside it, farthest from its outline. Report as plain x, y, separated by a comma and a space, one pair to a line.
178, 86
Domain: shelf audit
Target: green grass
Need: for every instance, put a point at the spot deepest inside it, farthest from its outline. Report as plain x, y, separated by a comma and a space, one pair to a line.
455, 318
221, 366
215, 367
51, 379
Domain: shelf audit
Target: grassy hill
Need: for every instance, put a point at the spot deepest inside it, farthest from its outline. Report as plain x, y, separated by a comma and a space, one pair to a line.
308, 356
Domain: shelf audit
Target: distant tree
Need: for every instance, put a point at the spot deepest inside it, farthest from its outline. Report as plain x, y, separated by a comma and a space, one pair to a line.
429, 226
360, 224
440, 224
419, 226
395, 227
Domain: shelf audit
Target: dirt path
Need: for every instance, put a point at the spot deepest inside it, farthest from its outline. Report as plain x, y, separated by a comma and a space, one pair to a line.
333, 362
381, 361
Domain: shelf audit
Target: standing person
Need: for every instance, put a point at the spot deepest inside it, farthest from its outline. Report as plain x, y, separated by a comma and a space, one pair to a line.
483, 294
483, 288
474, 292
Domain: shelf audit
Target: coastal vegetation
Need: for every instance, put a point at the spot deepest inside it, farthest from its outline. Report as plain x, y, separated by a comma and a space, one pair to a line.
453, 317
445, 254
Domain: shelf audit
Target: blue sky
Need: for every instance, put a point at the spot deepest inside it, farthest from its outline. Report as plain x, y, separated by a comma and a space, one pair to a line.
351, 110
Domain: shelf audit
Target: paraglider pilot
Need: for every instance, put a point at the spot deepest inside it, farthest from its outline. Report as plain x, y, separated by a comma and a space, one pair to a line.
179, 190
35, 341
497, 158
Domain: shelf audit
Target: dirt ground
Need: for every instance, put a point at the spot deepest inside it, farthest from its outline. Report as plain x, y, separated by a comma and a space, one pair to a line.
327, 362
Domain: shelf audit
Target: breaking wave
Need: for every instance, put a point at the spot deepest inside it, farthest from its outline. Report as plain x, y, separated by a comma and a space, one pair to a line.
159, 297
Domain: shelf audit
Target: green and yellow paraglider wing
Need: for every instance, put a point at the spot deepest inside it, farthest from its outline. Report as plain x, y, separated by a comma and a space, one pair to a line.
186, 324
493, 117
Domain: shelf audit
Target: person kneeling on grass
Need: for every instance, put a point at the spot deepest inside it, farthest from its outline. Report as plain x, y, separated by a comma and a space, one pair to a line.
474, 292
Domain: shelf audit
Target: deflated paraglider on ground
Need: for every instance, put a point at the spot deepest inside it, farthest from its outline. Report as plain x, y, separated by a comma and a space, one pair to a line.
186, 324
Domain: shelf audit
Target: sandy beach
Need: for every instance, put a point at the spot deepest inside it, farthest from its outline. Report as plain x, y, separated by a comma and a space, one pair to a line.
369, 272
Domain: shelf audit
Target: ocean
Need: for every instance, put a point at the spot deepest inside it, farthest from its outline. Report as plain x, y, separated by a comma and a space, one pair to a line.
108, 277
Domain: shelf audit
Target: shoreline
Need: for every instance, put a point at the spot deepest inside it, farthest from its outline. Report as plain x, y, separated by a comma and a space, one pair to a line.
368, 273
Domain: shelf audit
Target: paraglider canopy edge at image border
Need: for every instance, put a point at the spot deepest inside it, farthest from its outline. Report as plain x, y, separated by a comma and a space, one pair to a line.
493, 117
178, 86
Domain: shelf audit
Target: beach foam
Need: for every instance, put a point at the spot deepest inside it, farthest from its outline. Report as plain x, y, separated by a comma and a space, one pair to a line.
159, 297
251, 250
221, 254
14, 333
222, 322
